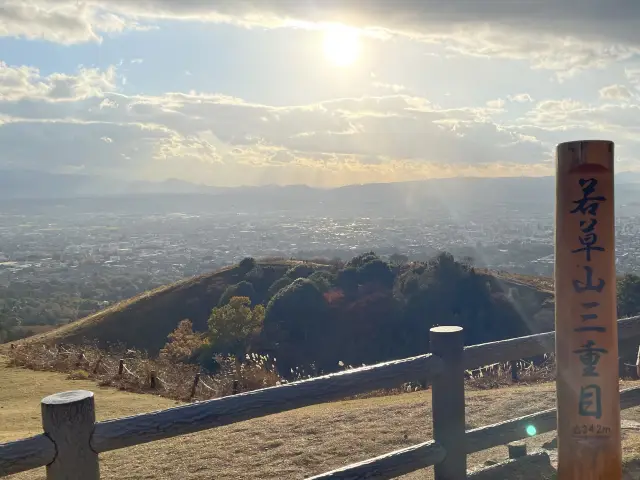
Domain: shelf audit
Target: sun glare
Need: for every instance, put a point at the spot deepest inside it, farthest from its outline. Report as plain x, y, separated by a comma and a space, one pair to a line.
341, 45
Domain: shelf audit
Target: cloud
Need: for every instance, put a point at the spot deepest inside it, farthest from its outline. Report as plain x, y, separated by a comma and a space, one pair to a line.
615, 92
63, 21
496, 104
59, 122
633, 75
565, 36
24, 82
555, 121
394, 87
520, 98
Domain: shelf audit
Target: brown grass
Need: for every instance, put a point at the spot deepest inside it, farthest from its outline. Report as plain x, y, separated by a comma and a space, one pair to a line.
172, 380
292, 445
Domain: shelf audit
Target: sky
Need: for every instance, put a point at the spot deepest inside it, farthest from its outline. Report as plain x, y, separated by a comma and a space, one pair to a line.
317, 92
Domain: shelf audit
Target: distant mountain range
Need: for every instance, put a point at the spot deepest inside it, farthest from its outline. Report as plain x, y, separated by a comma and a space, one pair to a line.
460, 193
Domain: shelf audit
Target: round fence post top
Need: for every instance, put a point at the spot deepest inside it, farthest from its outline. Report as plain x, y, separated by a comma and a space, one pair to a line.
445, 329
71, 396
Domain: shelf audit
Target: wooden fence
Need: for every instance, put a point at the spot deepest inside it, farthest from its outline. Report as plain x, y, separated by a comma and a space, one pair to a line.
72, 439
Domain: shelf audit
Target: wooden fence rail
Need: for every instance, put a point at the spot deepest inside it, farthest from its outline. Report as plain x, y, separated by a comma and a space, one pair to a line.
72, 439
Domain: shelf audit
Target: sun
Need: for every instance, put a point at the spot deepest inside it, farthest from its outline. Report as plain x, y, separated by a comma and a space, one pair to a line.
341, 45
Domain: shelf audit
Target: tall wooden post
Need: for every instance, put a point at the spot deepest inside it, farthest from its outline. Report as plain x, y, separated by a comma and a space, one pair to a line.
447, 402
586, 329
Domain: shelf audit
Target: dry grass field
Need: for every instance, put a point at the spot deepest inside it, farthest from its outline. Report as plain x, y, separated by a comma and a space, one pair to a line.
291, 445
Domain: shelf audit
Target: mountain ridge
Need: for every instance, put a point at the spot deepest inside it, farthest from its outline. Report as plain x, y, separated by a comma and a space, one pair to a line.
27, 184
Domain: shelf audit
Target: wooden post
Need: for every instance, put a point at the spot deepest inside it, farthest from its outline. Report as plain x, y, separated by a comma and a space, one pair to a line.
68, 419
448, 402
121, 367
97, 365
586, 330
196, 380
152, 380
514, 370
517, 450
638, 363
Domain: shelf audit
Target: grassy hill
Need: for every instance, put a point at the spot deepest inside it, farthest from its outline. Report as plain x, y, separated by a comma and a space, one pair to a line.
143, 322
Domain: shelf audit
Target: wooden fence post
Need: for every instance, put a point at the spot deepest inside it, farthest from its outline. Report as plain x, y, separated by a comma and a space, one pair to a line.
589, 446
121, 367
448, 402
196, 380
97, 365
514, 370
517, 450
68, 419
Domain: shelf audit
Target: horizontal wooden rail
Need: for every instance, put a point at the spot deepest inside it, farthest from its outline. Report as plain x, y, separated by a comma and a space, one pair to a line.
176, 421
426, 454
149, 427
544, 421
390, 465
26, 454
509, 431
124, 432
531, 346
537, 465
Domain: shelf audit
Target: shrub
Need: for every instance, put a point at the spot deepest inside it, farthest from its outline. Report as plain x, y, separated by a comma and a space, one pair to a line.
183, 343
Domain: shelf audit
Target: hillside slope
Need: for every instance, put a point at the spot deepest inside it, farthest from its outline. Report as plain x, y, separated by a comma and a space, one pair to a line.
144, 321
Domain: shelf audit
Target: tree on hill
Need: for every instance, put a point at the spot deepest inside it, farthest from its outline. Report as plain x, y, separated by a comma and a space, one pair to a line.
299, 271
261, 277
294, 325
234, 326
360, 260
324, 281
278, 285
629, 296
241, 289
347, 281
247, 263
397, 259
183, 343
446, 292
376, 271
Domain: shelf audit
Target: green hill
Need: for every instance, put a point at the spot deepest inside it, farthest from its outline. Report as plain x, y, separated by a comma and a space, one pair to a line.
144, 321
